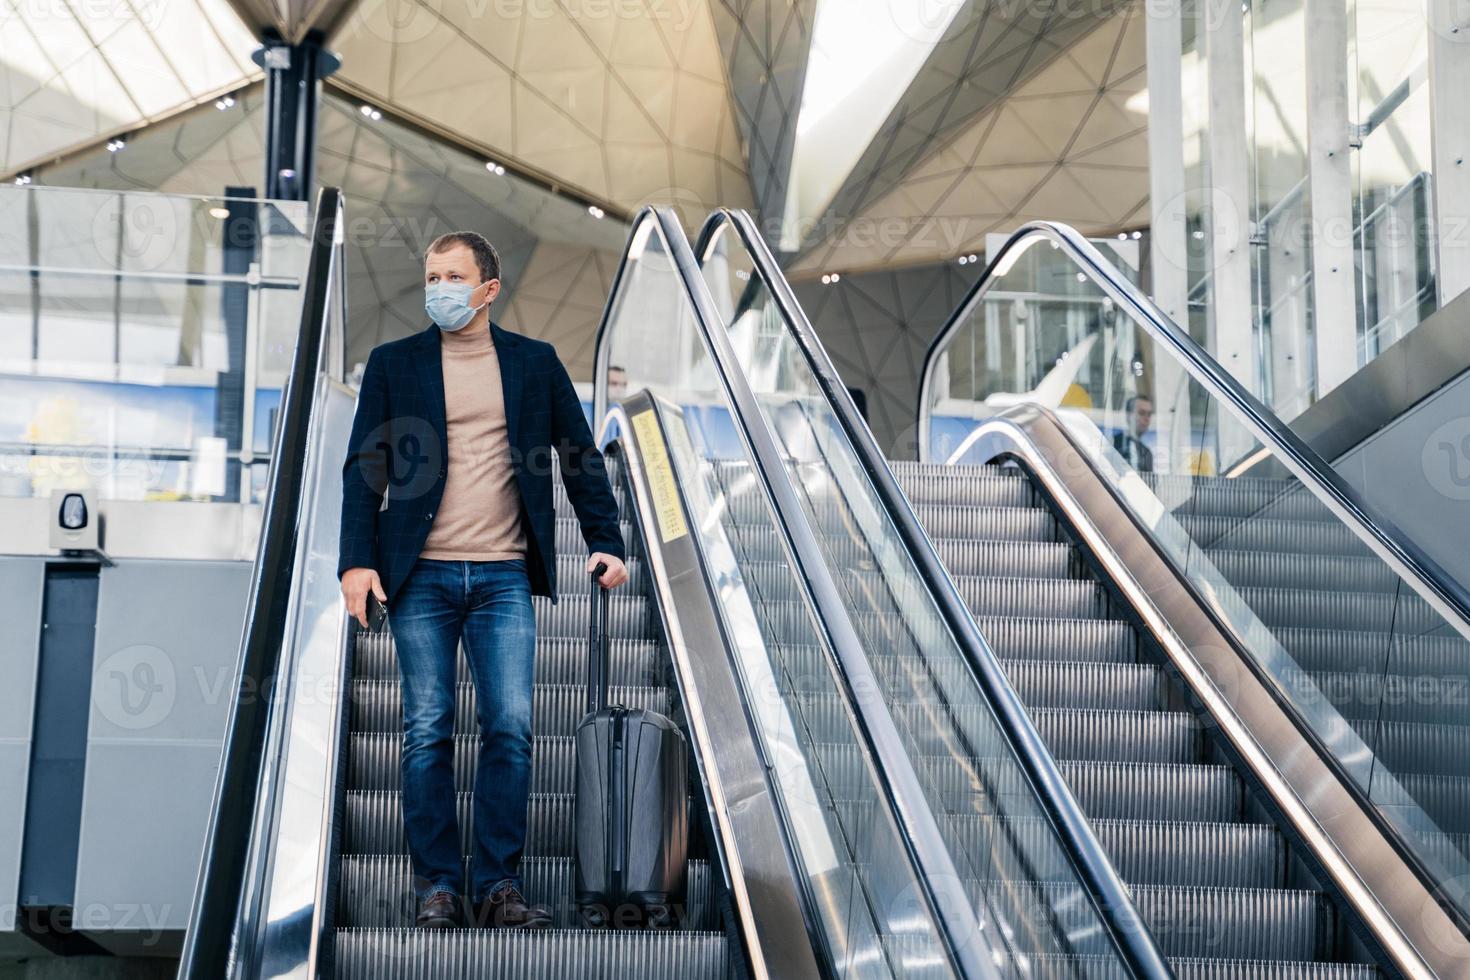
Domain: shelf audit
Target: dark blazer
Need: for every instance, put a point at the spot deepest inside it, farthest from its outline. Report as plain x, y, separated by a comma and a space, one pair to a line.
397, 450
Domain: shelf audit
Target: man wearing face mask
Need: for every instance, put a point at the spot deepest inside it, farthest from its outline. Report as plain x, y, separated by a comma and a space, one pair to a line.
459, 426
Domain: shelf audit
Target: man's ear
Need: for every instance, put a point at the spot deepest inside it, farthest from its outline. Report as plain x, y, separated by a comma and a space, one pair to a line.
485, 292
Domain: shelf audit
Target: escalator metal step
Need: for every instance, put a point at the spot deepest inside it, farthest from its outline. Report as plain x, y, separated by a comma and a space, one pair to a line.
375, 824
983, 490
1096, 640
1120, 736
1205, 855
1110, 687
1239, 499
559, 660
1342, 650
374, 762
1436, 700
377, 891
1238, 923
377, 706
1196, 969
993, 523
1116, 790
1269, 569
1008, 559
1303, 537
1034, 598
550, 954
1357, 611
569, 540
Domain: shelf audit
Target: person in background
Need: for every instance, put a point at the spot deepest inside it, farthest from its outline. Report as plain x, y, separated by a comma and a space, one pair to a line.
1129, 442
617, 384
458, 426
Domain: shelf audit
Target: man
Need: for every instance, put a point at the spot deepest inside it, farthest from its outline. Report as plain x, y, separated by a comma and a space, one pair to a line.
617, 383
457, 425
1129, 443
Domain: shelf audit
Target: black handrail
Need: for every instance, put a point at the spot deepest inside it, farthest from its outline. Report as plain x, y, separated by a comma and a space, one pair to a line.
925, 849
1447, 595
210, 941
1135, 944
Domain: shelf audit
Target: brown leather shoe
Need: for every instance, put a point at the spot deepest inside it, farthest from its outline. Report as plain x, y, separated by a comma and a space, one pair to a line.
439, 909
506, 908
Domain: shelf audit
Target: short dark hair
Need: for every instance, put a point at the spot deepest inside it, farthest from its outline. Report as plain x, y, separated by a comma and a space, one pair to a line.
485, 255
1133, 400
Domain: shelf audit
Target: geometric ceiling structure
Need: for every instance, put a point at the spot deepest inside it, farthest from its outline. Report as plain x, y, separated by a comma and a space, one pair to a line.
1063, 145
1001, 110
623, 109
404, 189
988, 49
766, 44
72, 74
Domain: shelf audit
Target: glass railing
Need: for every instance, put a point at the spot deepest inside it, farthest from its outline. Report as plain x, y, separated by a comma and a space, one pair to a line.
864, 893
1010, 825
260, 897
1363, 638
144, 341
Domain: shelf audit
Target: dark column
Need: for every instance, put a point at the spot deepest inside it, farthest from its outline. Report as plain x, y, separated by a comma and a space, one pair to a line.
53, 821
293, 74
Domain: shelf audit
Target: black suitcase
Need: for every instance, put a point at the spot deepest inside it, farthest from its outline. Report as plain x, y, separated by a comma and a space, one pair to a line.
631, 817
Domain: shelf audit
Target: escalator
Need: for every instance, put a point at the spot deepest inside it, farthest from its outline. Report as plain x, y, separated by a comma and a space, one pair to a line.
1210, 872
306, 870
1249, 684
816, 848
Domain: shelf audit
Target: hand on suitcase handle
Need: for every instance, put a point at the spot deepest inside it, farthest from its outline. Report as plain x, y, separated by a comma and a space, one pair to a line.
607, 570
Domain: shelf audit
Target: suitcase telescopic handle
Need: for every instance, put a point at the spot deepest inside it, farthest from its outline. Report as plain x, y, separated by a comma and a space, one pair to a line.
597, 665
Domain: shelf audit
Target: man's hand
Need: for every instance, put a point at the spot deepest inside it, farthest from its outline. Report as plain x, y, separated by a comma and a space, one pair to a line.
616, 574
356, 584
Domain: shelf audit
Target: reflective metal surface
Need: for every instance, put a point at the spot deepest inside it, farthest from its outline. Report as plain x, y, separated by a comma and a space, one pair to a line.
743, 813
290, 846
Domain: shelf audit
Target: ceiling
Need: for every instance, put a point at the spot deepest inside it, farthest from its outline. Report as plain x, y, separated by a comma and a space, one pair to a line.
67, 82
1009, 111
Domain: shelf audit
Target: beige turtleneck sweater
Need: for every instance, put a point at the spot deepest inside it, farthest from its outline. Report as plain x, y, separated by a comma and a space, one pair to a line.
479, 518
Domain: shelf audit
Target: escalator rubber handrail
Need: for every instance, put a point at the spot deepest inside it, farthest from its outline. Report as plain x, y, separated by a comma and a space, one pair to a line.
1448, 596
1134, 942
925, 850
209, 942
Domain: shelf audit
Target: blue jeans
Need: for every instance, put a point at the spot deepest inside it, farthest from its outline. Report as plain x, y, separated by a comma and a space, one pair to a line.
488, 604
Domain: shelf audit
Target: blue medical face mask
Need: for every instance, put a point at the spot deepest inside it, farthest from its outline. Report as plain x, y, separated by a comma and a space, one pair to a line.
448, 304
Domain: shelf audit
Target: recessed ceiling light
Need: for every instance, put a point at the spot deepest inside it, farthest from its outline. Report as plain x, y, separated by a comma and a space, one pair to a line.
224, 103
23, 180
113, 145
219, 212
595, 211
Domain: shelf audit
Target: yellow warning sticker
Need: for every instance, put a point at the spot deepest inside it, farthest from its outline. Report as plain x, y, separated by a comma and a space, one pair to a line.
661, 482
